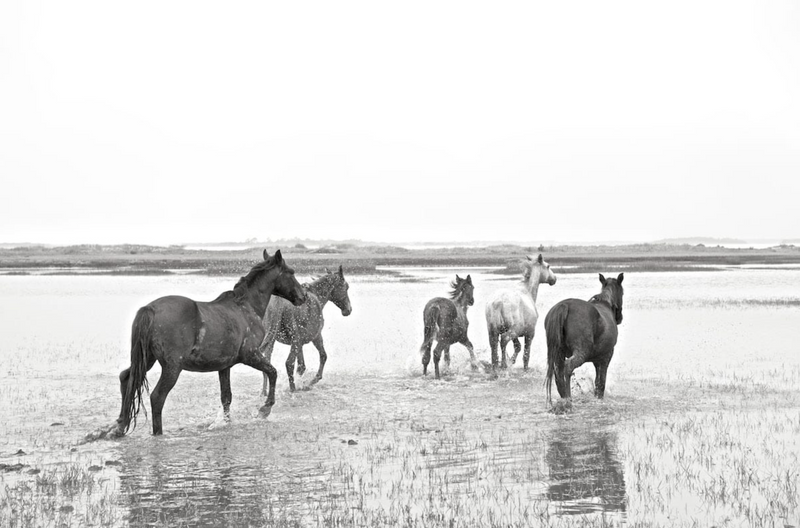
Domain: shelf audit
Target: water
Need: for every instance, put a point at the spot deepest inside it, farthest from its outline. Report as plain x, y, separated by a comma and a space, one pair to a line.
700, 354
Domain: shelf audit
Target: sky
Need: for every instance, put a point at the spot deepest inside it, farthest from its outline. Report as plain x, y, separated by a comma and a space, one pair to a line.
189, 121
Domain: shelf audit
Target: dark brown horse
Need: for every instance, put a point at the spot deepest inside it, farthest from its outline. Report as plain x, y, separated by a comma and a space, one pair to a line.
182, 334
580, 331
446, 323
298, 325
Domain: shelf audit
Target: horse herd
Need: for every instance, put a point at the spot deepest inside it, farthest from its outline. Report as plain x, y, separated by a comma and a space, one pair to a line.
242, 325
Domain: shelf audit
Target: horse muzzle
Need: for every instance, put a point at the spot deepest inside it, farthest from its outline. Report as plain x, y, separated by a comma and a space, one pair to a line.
299, 298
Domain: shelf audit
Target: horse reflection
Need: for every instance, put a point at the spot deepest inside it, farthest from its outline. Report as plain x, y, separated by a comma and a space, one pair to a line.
185, 486
585, 475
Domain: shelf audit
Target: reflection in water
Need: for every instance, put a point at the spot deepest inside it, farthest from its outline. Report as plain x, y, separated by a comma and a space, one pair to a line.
193, 492
223, 481
585, 475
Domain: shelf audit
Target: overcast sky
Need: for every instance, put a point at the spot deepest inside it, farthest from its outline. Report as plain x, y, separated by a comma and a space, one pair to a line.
169, 122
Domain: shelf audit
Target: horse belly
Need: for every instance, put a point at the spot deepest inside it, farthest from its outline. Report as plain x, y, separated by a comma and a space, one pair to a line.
221, 344
209, 361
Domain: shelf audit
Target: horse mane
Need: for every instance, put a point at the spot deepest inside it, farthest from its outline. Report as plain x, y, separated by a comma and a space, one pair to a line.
457, 289
316, 285
527, 270
245, 282
607, 296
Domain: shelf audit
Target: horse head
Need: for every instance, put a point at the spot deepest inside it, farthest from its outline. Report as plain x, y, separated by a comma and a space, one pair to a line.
463, 291
612, 289
284, 283
339, 296
538, 270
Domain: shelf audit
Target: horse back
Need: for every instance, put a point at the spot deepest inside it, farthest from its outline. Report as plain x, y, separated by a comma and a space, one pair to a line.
587, 326
444, 314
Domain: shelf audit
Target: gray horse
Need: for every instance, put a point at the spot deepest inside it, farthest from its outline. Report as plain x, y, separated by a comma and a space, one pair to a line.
298, 325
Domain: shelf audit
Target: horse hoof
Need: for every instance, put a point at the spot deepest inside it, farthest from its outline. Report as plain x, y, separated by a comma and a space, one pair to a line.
264, 411
116, 432
561, 407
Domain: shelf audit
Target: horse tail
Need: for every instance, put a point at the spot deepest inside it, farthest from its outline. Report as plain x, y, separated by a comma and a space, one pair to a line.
554, 324
430, 317
141, 351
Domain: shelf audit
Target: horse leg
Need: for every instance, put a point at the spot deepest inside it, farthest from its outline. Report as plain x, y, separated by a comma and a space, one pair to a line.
494, 338
169, 376
124, 378
570, 364
426, 356
503, 342
467, 343
437, 355
517, 348
265, 349
290, 364
600, 369
225, 393
323, 357
301, 361
526, 356
259, 362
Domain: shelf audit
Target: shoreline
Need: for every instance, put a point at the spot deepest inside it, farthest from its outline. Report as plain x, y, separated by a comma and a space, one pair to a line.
380, 260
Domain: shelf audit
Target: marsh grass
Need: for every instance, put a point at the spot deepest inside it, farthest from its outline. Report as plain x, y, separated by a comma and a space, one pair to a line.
69, 495
437, 456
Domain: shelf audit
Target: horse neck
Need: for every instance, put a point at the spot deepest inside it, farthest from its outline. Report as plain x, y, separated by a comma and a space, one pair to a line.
461, 303
258, 301
604, 296
531, 285
322, 288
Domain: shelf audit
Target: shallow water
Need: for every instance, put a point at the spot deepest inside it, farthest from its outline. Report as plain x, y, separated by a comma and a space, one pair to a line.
700, 354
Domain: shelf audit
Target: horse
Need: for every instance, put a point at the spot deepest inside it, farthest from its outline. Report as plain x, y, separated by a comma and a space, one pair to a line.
183, 334
579, 331
298, 325
512, 313
446, 322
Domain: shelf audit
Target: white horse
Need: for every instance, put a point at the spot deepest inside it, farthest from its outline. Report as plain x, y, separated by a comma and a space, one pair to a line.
512, 313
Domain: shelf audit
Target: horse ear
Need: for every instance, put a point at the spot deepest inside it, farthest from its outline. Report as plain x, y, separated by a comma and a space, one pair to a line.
529, 258
602, 280
266, 255
458, 279
620, 277
469, 279
341, 272
540, 260
278, 257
